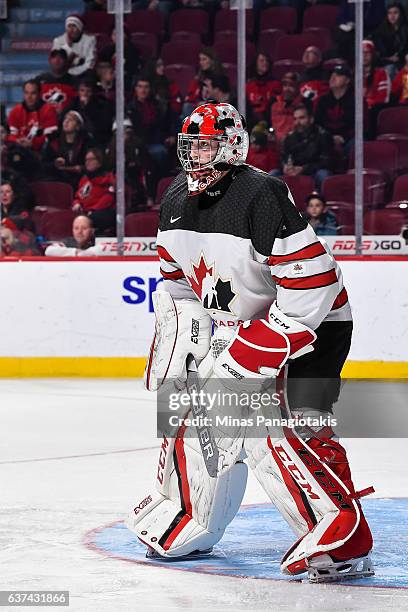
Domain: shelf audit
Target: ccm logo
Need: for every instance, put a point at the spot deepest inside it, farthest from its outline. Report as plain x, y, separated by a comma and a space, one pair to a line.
142, 504
162, 460
232, 371
278, 321
296, 473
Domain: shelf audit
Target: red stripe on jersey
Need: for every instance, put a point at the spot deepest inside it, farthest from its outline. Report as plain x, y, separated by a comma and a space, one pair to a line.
164, 254
323, 279
309, 252
340, 300
176, 275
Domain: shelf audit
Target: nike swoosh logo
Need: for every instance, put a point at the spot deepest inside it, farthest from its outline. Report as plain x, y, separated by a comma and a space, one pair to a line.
174, 220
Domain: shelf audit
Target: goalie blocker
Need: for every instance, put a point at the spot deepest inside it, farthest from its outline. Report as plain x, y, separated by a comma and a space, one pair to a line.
308, 480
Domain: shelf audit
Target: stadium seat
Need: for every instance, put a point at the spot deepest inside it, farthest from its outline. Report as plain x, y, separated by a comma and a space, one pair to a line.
52, 195
175, 53
227, 51
280, 17
402, 144
98, 21
402, 204
146, 43
388, 221
400, 189
57, 224
393, 120
341, 187
268, 39
344, 212
380, 155
189, 20
321, 16
146, 21
102, 41
292, 46
144, 224
324, 36
182, 74
231, 71
280, 67
187, 38
225, 19
162, 186
300, 186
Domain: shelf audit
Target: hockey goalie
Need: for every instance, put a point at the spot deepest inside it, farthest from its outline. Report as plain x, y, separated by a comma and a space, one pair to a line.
249, 294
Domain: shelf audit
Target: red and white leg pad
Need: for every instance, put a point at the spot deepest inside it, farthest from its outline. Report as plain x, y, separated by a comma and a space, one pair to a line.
190, 510
310, 483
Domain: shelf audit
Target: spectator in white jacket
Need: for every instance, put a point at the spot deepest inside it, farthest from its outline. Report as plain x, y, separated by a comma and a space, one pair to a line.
80, 244
80, 47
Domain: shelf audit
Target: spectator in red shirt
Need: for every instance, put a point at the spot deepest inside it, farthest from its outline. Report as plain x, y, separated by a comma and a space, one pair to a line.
282, 110
314, 81
261, 90
261, 153
95, 196
16, 243
376, 80
32, 121
58, 87
15, 205
400, 85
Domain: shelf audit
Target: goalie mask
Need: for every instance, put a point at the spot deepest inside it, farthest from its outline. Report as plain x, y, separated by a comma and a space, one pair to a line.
213, 138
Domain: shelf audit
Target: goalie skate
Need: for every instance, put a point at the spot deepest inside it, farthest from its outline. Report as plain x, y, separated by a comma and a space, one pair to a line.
197, 554
324, 569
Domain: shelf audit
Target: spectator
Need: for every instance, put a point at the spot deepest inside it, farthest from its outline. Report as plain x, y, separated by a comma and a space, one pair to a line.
32, 121
208, 63
167, 93
95, 196
261, 90
400, 85
64, 154
335, 110
376, 80
318, 215
16, 243
105, 86
133, 62
282, 109
391, 39
217, 87
17, 160
314, 81
80, 244
58, 87
16, 205
97, 112
80, 47
261, 153
148, 122
308, 149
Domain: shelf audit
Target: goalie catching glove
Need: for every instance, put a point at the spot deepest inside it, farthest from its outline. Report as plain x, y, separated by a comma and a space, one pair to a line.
262, 347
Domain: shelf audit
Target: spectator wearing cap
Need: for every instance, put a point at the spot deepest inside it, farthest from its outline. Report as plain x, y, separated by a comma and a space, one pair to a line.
63, 156
399, 89
314, 80
32, 121
95, 196
96, 111
58, 87
318, 215
282, 110
80, 244
261, 153
335, 110
80, 47
261, 90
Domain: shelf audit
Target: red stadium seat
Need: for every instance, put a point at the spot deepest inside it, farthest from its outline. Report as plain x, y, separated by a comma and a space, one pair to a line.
344, 212
227, 51
324, 36
146, 21
402, 144
393, 120
189, 20
98, 21
380, 155
144, 224
280, 17
182, 74
52, 195
102, 41
402, 204
280, 67
321, 16
300, 186
341, 187
400, 189
176, 53
388, 221
292, 46
268, 40
225, 19
146, 43
57, 224
162, 186
187, 38
229, 36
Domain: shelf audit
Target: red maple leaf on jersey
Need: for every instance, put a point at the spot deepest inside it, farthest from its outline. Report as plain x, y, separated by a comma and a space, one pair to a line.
199, 273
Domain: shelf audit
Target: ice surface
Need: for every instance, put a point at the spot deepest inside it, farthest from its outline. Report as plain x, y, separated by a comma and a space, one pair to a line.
76, 454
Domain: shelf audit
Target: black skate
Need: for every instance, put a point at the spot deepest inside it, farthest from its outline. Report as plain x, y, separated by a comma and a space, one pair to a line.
196, 554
